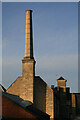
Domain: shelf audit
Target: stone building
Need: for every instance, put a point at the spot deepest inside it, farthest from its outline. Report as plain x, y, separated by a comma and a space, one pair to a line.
31, 87
57, 102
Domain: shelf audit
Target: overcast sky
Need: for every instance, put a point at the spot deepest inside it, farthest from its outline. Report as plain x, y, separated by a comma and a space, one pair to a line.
55, 37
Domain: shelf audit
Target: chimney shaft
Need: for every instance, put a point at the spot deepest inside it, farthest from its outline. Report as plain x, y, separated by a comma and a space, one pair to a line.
28, 35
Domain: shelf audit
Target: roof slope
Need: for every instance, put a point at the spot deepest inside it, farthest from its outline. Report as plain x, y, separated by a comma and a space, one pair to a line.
61, 78
17, 99
27, 105
2, 88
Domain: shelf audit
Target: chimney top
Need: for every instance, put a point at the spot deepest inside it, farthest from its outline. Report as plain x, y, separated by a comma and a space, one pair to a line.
28, 10
61, 78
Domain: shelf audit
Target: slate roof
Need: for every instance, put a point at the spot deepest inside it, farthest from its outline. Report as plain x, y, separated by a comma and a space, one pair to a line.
17, 99
27, 105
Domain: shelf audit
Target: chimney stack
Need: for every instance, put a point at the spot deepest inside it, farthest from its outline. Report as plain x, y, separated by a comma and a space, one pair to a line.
28, 35
28, 62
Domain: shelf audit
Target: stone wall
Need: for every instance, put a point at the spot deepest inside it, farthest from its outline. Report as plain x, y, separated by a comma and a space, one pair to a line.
76, 102
62, 103
40, 94
50, 102
44, 97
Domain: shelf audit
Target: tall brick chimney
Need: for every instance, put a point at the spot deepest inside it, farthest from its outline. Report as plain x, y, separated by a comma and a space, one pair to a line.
28, 62
28, 35
24, 86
